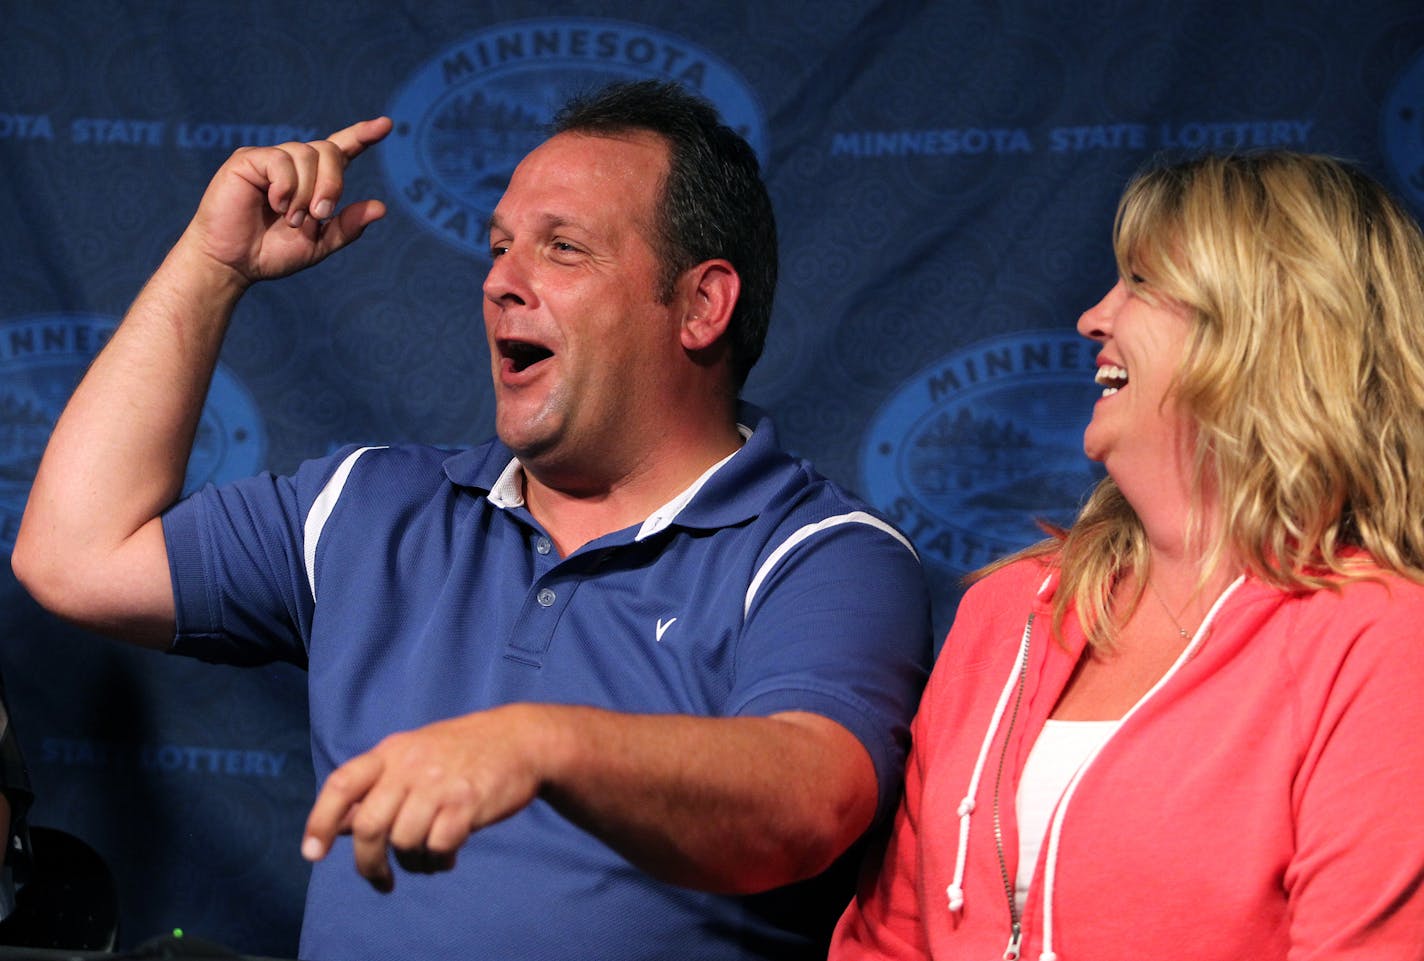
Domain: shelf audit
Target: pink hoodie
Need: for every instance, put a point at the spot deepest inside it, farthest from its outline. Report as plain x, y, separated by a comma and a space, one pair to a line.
1264, 800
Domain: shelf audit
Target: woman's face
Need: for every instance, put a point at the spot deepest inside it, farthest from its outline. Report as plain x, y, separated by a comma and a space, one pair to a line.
1137, 431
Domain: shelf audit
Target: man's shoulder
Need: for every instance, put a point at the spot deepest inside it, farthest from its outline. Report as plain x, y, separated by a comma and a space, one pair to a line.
402, 466
361, 484
786, 491
794, 503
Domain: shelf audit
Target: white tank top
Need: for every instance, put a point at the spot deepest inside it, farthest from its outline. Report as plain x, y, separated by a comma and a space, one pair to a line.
1061, 749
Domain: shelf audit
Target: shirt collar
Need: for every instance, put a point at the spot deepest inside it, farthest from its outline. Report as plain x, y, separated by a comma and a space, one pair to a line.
665, 515
508, 489
729, 492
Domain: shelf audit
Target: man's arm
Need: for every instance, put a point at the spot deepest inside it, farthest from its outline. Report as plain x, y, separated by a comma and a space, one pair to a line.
831, 662
734, 805
90, 546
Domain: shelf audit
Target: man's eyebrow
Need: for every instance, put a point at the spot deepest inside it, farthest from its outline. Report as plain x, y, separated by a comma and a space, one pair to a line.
547, 222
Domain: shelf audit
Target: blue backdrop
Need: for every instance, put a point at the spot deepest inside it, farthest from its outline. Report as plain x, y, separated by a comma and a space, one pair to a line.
944, 175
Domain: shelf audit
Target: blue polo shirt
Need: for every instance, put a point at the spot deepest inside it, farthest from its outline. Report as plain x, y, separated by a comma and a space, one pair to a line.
414, 585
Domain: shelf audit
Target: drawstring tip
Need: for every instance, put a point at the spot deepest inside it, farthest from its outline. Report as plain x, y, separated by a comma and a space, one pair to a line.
956, 898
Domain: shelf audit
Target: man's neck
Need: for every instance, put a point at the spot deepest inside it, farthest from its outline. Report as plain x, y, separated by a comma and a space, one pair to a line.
574, 514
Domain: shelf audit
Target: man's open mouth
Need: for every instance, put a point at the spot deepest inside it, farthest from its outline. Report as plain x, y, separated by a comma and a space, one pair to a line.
521, 354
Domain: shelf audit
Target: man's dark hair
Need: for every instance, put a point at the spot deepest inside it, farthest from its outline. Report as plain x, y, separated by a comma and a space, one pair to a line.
713, 205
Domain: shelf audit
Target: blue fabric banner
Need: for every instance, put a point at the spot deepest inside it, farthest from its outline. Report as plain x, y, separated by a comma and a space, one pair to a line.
944, 172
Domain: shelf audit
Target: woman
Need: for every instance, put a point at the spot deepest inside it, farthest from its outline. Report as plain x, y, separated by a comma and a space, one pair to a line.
1192, 725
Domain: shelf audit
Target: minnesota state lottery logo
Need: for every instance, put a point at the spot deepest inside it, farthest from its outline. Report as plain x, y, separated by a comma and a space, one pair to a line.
968, 454
41, 360
1403, 132
468, 116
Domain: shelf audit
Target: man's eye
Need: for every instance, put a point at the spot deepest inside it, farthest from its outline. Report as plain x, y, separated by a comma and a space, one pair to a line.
498, 250
564, 246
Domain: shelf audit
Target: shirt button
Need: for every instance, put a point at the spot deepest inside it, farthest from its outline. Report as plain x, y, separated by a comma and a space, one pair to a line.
542, 545
546, 598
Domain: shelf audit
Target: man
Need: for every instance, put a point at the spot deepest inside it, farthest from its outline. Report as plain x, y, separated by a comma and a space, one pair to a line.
625, 673
16, 796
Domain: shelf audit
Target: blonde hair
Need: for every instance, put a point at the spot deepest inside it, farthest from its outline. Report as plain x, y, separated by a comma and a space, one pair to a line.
1304, 374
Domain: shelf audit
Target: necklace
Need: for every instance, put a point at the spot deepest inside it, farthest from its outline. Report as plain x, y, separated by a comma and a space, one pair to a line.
1182, 631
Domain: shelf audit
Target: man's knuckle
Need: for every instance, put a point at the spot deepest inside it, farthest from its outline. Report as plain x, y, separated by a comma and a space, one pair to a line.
367, 827
462, 792
342, 780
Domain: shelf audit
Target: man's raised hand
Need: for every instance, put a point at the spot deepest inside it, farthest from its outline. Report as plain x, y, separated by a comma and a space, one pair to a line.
268, 211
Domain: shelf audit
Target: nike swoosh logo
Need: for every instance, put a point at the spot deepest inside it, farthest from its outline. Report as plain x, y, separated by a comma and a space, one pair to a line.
664, 625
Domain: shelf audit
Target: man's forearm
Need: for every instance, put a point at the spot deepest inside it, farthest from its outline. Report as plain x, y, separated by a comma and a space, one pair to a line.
732, 805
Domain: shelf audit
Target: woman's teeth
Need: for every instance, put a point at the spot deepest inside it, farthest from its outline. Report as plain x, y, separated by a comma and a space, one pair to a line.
1112, 378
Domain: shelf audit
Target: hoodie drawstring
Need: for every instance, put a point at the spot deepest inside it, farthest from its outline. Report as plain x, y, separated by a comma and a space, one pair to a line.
955, 891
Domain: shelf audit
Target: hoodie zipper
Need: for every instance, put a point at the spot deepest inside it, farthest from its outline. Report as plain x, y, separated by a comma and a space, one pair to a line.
1011, 953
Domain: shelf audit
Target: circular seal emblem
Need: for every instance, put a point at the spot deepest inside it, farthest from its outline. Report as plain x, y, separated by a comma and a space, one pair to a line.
465, 119
969, 453
1403, 131
41, 360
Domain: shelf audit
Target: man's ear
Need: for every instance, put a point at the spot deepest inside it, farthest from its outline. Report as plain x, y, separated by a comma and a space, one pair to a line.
713, 286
